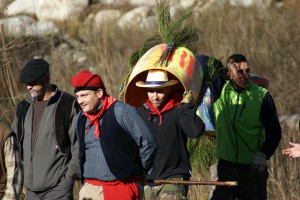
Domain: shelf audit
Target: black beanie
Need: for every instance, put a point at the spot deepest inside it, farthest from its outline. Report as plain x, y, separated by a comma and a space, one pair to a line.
33, 70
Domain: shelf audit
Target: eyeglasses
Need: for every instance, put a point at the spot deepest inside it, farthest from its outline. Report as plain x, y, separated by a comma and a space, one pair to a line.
242, 71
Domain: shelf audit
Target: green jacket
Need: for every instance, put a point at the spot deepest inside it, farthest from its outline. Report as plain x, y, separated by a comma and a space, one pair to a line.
239, 129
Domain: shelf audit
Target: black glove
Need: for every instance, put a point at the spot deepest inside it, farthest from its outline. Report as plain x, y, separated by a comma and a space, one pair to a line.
259, 162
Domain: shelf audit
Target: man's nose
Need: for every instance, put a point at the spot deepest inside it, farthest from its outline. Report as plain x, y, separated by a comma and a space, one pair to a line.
79, 100
247, 74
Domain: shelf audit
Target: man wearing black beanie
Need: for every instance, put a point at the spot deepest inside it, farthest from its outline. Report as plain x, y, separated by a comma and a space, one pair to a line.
43, 124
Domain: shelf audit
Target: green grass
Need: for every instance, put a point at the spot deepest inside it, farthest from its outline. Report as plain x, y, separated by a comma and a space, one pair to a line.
202, 152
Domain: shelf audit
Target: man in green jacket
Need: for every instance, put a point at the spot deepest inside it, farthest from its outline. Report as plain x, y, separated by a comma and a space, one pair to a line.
248, 133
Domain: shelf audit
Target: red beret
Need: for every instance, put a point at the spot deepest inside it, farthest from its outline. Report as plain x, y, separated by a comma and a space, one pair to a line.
85, 80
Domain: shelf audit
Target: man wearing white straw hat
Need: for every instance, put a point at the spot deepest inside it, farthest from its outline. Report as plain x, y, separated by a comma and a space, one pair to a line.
171, 120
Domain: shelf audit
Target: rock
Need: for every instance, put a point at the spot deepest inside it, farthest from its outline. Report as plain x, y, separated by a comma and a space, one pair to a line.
106, 16
59, 10
136, 18
19, 7
16, 26
42, 29
246, 3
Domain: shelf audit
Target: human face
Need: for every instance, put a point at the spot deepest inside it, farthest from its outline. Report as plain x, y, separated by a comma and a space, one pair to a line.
37, 89
158, 97
89, 100
239, 74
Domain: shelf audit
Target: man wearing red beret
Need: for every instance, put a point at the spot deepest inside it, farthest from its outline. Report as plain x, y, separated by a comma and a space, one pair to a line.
116, 147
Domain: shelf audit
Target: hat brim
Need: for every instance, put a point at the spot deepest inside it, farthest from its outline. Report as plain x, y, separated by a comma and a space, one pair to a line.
144, 85
27, 77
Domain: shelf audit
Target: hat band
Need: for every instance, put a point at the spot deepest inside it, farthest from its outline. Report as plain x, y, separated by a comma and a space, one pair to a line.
94, 88
155, 82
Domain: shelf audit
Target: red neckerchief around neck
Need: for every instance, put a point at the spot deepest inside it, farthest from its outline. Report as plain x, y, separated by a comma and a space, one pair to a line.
155, 111
94, 119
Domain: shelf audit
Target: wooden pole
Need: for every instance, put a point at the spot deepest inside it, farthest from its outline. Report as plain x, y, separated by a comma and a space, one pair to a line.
218, 183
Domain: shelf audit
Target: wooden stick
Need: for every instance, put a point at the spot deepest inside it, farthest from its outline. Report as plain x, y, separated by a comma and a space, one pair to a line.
218, 183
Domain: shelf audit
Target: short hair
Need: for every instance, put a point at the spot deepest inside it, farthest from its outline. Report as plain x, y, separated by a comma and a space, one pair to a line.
235, 58
95, 91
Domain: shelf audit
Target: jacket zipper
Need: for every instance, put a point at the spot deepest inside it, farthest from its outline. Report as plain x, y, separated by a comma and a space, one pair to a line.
234, 128
243, 108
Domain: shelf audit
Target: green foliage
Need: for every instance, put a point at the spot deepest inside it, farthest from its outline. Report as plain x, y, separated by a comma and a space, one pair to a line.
202, 152
215, 69
173, 33
148, 44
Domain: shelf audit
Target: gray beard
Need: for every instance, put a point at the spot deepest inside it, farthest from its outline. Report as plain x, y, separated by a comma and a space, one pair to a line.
33, 93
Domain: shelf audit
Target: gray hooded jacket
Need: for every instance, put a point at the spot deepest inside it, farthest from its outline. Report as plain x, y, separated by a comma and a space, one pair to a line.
49, 158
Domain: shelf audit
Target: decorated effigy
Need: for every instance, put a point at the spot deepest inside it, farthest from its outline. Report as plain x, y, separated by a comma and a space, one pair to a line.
182, 65
174, 50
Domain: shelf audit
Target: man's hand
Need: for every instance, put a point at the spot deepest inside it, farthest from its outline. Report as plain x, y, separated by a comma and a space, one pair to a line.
187, 97
259, 162
293, 152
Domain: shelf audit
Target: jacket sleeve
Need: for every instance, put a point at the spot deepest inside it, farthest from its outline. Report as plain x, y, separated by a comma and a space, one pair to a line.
190, 123
271, 123
73, 171
14, 125
14, 169
133, 124
20, 114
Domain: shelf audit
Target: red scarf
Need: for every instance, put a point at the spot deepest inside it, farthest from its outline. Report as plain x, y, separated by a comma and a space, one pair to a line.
155, 111
114, 190
94, 119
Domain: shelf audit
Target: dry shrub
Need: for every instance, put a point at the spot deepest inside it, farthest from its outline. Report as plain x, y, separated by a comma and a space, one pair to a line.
284, 171
202, 155
269, 39
200, 192
8, 68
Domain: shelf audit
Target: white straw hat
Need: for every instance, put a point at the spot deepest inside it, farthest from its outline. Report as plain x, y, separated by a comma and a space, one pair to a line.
156, 79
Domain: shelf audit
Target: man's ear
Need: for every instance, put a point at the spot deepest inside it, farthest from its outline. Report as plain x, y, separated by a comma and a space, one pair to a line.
228, 75
168, 90
229, 69
100, 93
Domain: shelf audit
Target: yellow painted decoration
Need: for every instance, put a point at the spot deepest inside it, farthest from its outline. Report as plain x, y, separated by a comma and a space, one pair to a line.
182, 66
